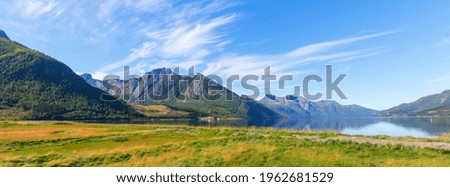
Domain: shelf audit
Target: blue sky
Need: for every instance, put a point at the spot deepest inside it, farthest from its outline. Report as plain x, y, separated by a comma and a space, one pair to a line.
392, 51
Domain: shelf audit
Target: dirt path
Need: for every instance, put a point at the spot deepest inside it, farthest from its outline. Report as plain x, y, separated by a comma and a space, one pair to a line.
421, 144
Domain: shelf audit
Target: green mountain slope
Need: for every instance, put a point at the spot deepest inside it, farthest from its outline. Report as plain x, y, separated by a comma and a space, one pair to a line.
440, 111
36, 86
437, 104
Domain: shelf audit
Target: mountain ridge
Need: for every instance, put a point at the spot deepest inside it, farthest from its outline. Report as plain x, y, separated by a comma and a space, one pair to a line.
3, 35
292, 106
162, 86
305, 108
434, 104
37, 86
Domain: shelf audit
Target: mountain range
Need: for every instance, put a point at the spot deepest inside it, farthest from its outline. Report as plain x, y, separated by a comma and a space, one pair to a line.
37, 86
151, 84
289, 106
192, 94
292, 106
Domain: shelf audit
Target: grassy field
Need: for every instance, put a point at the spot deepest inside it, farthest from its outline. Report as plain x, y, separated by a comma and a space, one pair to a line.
76, 144
162, 111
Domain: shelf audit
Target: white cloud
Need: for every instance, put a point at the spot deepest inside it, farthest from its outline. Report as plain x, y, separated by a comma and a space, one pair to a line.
441, 80
144, 51
188, 45
109, 8
280, 63
148, 5
324, 46
167, 33
33, 9
192, 40
183, 35
99, 75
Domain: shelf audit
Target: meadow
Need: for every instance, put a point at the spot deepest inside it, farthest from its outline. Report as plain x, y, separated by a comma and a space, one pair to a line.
47, 143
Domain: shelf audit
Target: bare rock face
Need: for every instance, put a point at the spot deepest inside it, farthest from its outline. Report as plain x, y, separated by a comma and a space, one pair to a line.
292, 106
163, 86
3, 35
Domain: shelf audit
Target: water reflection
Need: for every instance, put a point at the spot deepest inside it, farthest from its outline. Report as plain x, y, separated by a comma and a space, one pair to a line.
418, 127
386, 128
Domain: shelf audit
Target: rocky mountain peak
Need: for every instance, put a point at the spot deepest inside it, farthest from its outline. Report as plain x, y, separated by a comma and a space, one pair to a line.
86, 76
160, 71
3, 35
291, 97
271, 97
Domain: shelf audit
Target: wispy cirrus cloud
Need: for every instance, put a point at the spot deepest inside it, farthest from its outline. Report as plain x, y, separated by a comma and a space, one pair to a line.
185, 36
148, 5
443, 79
191, 40
108, 8
194, 39
144, 51
35, 8
168, 33
323, 46
156, 32
291, 60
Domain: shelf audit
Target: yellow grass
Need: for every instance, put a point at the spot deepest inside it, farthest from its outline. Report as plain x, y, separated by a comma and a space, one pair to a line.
26, 143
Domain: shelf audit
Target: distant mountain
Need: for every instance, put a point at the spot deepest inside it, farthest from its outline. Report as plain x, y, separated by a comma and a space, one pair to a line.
432, 105
3, 35
300, 107
36, 86
289, 107
162, 86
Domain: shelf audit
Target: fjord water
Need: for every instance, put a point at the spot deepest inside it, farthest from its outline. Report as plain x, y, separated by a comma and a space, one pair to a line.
416, 127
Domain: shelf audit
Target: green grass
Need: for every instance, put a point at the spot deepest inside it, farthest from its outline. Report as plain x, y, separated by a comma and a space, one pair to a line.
75, 144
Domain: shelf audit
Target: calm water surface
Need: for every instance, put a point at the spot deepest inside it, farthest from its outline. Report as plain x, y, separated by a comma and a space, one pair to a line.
417, 127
